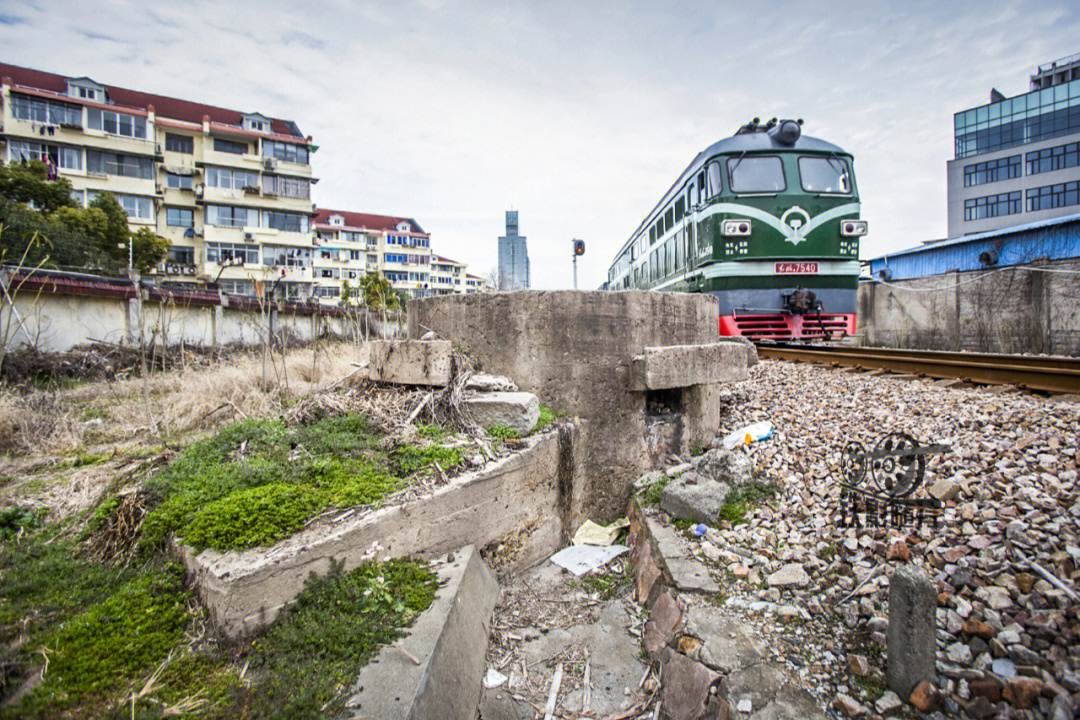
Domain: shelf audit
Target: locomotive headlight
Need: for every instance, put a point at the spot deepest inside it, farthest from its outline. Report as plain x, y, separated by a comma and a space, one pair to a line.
853, 228
736, 228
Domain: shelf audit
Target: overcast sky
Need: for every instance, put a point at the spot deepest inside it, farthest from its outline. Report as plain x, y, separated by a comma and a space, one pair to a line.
579, 115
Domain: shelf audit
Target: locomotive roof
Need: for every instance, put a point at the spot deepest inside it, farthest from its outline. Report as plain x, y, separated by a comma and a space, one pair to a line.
739, 143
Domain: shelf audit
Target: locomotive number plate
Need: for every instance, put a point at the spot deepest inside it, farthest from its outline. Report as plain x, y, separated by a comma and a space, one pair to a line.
796, 268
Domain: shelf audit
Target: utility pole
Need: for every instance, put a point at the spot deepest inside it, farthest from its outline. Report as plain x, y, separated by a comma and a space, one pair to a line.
579, 249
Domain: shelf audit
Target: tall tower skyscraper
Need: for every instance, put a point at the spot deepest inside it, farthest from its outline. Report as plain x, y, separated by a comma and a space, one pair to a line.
514, 273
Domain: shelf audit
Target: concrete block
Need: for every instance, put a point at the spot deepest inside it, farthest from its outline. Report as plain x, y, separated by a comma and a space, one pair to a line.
694, 498
912, 628
449, 639
532, 489
678, 366
483, 382
406, 362
516, 410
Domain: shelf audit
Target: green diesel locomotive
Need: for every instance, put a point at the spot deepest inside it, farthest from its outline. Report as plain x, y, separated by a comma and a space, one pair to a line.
768, 222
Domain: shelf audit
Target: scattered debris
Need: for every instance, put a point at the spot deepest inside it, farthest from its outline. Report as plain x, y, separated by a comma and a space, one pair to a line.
591, 533
581, 559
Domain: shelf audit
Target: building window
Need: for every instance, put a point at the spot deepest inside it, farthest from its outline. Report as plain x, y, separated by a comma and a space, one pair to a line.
108, 163
245, 288
236, 217
395, 258
285, 256
1053, 196
230, 179
178, 182
44, 111
1037, 115
67, 158
286, 221
116, 123
179, 217
992, 206
1053, 158
289, 187
137, 207
182, 255
230, 146
289, 152
223, 252
1006, 168
179, 143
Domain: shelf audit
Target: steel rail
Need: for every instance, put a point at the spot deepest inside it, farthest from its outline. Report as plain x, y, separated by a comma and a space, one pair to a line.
1055, 375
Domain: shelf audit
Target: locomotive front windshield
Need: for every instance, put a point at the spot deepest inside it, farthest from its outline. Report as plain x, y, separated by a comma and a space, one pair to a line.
825, 175
756, 175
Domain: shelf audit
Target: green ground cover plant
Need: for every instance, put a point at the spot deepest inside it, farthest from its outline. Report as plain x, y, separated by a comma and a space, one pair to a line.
260, 480
132, 641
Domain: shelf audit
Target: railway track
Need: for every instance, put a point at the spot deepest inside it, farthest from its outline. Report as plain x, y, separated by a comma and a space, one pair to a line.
1053, 375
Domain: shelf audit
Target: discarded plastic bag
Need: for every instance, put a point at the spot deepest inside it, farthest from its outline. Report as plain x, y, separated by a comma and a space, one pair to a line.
591, 533
748, 435
580, 559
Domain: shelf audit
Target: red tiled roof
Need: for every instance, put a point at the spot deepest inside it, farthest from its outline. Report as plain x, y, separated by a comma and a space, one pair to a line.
440, 258
163, 105
364, 221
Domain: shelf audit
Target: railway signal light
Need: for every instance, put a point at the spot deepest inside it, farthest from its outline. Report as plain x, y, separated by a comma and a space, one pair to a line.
579, 247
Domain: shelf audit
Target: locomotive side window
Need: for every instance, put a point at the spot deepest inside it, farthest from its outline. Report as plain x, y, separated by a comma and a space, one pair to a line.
825, 175
680, 209
756, 175
669, 219
691, 196
714, 179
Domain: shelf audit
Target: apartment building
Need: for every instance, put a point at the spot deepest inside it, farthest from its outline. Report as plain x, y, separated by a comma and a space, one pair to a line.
475, 284
395, 246
231, 190
447, 276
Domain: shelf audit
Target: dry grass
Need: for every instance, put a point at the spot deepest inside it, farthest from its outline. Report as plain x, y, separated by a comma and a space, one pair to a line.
40, 427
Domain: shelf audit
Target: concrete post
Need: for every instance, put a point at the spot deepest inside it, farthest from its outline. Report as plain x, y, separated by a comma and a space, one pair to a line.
912, 627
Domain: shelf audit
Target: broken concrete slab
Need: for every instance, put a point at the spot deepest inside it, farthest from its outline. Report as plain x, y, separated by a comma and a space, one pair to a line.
727, 644
686, 690
613, 657
773, 692
664, 621
406, 362
449, 640
726, 466
484, 382
694, 498
518, 411
531, 490
676, 366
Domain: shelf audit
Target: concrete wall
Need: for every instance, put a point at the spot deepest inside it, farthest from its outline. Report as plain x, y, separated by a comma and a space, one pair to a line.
575, 351
57, 322
1011, 311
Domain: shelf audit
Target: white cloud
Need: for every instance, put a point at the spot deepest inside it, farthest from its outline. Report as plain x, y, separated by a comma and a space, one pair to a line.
578, 115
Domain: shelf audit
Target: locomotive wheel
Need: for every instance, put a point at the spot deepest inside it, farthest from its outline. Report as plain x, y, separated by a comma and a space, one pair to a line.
853, 463
896, 473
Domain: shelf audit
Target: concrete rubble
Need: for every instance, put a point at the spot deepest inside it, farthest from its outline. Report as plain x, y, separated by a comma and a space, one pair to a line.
518, 411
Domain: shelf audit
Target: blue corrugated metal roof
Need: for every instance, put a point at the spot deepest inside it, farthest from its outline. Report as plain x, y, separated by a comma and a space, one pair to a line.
1052, 239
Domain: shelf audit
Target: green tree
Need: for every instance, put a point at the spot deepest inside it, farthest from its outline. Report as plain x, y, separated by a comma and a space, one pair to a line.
378, 294
46, 226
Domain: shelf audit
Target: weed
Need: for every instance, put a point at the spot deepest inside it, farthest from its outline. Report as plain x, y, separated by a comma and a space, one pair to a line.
432, 431
652, 494
503, 432
316, 648
743, 498
697, 450
871, 688
609, 585
547, 417
828, 551
94, 413
408, 459
17, 520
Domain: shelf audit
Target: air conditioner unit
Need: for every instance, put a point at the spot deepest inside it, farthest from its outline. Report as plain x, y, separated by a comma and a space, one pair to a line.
249, 237
189, 269
251, 190
269, 163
